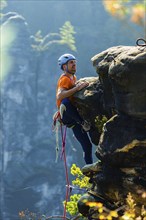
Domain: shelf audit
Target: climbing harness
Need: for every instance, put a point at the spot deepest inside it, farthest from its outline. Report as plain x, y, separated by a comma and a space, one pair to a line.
56, 118
139, 42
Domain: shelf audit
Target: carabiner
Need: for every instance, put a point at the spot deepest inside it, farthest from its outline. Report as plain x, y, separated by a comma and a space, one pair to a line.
139, 42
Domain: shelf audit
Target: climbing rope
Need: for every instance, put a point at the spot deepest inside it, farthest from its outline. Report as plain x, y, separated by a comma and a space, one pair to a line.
63, 156
57, 123
57, 217
61, 217
140, 41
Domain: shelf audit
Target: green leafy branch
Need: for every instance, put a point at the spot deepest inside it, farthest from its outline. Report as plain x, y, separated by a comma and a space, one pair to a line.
65, 36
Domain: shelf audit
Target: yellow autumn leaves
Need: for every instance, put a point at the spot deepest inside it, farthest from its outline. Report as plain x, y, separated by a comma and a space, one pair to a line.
123, 8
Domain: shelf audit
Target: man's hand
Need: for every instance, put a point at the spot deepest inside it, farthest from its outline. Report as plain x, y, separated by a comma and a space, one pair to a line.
63, 93
81, 85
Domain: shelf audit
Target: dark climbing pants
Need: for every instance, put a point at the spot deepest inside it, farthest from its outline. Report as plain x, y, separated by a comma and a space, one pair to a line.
72, 119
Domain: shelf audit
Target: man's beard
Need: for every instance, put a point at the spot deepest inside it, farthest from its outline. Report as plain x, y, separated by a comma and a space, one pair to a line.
72, 72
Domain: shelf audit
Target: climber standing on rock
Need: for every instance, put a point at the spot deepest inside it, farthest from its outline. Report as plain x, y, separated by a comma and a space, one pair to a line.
67, 86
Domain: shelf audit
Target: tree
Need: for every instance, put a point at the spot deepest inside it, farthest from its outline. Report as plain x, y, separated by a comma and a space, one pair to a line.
65, 36
128, 9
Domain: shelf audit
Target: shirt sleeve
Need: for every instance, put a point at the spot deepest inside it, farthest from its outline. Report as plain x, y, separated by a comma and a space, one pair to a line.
65, 83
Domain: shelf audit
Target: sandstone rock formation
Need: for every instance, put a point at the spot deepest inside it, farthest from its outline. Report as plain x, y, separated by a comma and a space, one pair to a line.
120, 94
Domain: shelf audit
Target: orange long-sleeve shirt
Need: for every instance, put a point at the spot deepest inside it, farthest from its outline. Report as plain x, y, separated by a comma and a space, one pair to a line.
65, 82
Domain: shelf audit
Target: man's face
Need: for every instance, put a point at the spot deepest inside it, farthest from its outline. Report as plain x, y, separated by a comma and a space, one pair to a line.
71, 66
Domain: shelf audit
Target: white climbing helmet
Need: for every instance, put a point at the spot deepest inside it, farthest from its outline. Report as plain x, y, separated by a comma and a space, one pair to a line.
65, 58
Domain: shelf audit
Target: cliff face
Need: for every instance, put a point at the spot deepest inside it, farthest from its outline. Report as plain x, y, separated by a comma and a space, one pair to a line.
27, 141
122, 144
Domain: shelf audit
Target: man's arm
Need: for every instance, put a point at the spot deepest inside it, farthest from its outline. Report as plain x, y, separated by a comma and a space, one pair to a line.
64, 93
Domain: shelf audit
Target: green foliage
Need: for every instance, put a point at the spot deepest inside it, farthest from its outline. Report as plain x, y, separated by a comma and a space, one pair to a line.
64, 37
99, 122
98, 209
80, 181
67, 35
72, 208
